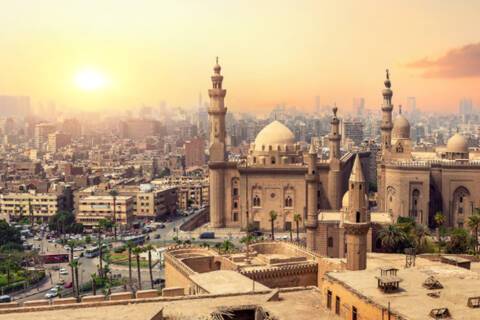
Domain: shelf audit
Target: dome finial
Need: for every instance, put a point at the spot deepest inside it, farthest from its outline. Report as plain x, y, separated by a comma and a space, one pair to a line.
387, 80
400, 109
216, 59
335, 109
217, 67
388, 72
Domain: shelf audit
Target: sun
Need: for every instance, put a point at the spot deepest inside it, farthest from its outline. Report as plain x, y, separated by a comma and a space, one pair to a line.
90, 80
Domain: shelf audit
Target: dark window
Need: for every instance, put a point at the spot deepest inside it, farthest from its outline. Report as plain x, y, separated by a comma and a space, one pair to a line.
329, 299
256, 201
354, 313
273, 160
330, 242
235, 191
357, 218
254, 159
337, 305
460, 210
235, 216
360, 187
235, 205
460, 199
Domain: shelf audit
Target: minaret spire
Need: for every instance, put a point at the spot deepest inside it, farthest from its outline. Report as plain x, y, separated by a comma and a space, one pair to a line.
387, 107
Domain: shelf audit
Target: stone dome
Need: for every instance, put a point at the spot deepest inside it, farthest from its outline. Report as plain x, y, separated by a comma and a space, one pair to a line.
457, 144
274, 134
401, 128
346, 199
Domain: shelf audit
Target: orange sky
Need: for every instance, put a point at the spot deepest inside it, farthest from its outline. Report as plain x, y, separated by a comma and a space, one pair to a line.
271, 51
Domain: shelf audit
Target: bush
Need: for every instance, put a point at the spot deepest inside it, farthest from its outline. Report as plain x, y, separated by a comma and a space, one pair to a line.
120, 249
460, 241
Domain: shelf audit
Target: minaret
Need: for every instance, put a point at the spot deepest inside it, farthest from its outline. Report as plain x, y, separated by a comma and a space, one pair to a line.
216, 113
334, 173
387, 108
312, 199
357, 220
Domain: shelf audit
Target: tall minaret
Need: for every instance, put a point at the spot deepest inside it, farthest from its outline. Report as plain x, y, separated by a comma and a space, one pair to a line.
334, 173
357, 220
387, 108
312, 199
216, 113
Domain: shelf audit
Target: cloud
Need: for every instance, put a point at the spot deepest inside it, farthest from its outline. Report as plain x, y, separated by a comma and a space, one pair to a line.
460, 62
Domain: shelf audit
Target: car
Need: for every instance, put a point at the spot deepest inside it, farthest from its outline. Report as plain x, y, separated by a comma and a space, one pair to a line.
61, 282
78, 248
285, 237
68, 285
5, 299
207, 235
63, 272
257, 233
161, 226
52, 293
157, 236
36, 238
159, 281
75, 258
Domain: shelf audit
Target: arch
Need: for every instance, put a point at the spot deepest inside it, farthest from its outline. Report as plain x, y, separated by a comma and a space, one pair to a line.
462, 206
273, 160
357, 217
256, 201
288, 201
414, 202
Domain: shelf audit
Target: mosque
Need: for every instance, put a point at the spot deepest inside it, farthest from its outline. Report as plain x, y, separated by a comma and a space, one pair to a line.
330, 195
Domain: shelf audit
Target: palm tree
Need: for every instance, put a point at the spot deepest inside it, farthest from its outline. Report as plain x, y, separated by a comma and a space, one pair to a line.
420, 234
71, 244
75, 285
103, 225
137, 251
439, 221
149, 249
474, 223
227, 246
94, 283
130, 247
114, 194
391, 237
297, 218
273, 217
247, 240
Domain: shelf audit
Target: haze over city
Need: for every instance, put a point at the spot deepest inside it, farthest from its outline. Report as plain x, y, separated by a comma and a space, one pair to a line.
274, 52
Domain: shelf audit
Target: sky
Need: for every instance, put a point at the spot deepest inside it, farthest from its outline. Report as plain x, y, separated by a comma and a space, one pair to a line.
271, 51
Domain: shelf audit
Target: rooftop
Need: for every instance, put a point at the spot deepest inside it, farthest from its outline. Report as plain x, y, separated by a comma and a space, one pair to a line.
412, 301
226, 281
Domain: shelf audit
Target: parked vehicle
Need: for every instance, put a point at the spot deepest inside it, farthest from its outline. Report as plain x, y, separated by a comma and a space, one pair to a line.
68, 285
5, 299
52, 293
63, 272
207, 235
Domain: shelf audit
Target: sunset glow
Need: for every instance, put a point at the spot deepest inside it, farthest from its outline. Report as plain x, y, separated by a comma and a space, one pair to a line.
90, 80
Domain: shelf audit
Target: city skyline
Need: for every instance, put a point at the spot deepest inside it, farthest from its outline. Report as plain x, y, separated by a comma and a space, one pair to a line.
277, 53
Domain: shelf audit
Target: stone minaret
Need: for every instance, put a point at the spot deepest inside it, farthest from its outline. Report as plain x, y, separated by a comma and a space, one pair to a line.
334, 173
387, 108
312, 199
357, 220
216, 113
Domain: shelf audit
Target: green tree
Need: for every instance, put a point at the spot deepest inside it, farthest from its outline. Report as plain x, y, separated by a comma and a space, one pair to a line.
392, 238
474, 223
297, 218
130, 247
420, 236
273, 217
114, 194
137, 251
94, 283
459, 242
439, 221
227, 246
9, 235
72, 244
64, 222
149, 249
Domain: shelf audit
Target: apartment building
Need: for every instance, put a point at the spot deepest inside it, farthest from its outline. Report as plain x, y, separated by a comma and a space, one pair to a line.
92, 209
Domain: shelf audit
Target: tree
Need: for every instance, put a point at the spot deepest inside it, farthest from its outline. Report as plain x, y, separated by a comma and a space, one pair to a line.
137, 251
420, 234
392, 238
439, 221
227, 246
297, 218
103, 225
71, 244
273, 217
459, 241
94, 283
9, 235
474, 223
130, 247
114, 194
64, 222
247, 240
149, 249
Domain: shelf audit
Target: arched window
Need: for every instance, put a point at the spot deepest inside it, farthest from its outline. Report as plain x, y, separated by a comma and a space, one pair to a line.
256, 201
414, 203
288, 202
273, 160
357, 216
254, 159
330, 242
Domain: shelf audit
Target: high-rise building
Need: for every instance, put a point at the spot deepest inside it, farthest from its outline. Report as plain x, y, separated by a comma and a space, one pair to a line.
72, 127
58, 140
359, 106
194, 152
140, 128
42, 131
14, 106
352, 130
465, 107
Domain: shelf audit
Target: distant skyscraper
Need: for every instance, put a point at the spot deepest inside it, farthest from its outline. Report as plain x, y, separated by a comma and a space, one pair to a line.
42, 131
359, 106
317, 104
14, 106
352, 130
465, 107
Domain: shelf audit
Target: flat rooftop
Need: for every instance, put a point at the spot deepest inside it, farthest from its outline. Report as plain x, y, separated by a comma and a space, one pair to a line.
412, 301
299, 304
226, 281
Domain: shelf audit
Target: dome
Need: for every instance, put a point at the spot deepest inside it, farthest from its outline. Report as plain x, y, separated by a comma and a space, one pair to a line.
275, 134
401, 128
457, 144
346, 199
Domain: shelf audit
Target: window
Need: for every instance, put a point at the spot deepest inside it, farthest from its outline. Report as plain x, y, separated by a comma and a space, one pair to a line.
235, 192
460, 199
235, 204
460, 210
273, 160
288, 202
329, 299
354, 313
330, 242
357, 216
256, 201
337, 305
235, 216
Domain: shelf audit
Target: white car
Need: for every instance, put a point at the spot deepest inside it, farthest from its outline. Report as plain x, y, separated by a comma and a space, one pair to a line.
52, 293
63, 272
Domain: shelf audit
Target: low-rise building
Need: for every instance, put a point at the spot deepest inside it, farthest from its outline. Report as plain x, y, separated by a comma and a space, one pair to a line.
40, 206
92, 209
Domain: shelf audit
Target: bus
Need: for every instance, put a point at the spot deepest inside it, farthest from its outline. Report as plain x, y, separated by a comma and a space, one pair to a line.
54, 258
92, 252
136, 240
